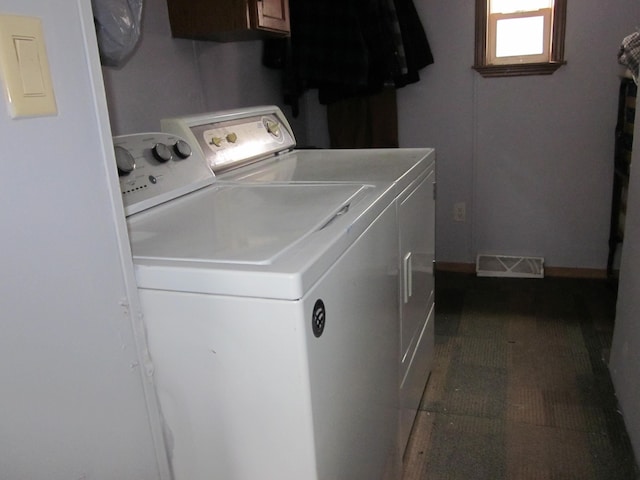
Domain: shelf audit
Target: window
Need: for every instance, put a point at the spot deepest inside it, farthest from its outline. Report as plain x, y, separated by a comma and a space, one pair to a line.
519, 37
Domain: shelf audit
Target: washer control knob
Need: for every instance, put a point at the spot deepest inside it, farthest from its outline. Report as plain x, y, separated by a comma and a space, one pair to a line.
161, 152
124, 160
232, 138
182, 149
273, 128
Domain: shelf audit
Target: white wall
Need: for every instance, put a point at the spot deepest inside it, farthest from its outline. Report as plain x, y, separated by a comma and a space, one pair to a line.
438, 112
75, 396
531, 156
160, 79
167, 77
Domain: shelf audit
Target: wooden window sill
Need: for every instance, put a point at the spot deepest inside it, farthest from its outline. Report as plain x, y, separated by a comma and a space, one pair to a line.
518, 70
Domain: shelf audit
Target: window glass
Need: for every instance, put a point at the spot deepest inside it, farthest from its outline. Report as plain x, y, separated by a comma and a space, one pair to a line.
520, 36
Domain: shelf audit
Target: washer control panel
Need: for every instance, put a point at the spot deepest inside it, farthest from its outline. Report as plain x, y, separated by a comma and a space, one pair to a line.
156, 167
232, 138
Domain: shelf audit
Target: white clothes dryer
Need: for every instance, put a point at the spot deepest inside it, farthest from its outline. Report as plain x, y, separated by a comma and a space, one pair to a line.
257, 145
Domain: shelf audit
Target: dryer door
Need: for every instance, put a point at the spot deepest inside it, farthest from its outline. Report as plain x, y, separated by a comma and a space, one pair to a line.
417, 245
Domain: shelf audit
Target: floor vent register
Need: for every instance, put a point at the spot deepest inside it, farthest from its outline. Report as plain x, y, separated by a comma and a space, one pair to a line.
509, 266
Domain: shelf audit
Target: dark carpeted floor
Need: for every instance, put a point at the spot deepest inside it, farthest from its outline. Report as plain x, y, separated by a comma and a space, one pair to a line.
520, 388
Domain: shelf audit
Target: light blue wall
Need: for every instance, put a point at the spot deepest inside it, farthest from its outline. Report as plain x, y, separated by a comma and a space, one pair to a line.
531, 156
166, 77
439, 111
76, 400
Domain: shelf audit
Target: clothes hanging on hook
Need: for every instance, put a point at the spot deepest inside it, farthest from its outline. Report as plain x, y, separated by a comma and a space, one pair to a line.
349, 47
355, 53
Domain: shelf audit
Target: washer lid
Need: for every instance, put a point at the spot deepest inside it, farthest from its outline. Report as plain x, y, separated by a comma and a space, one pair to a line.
270, 241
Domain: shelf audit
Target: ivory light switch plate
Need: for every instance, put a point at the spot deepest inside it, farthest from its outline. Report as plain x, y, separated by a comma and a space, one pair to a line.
26, 79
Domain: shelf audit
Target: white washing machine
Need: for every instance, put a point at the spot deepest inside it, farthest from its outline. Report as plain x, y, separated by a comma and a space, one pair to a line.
257, 145
271, 315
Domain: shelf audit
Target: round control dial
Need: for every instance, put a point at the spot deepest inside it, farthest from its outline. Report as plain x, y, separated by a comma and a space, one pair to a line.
272, 127
162, 152
182, 149
124, 160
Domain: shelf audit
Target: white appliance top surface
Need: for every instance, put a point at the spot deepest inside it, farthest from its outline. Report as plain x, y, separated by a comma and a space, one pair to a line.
266, 229
401, 166
267, 241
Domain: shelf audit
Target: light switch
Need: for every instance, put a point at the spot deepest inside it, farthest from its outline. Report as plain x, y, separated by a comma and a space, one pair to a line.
25, 68
29, 65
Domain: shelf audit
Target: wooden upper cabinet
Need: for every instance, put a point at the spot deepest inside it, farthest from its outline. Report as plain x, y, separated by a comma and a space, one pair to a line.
228, 20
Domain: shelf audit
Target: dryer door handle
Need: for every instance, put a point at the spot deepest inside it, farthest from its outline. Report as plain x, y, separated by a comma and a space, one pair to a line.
407, 277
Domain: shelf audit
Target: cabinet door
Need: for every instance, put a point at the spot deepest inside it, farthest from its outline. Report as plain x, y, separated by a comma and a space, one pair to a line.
273, 15
228, 20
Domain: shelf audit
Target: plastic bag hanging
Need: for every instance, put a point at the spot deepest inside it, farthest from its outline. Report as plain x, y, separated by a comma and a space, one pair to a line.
118, 29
